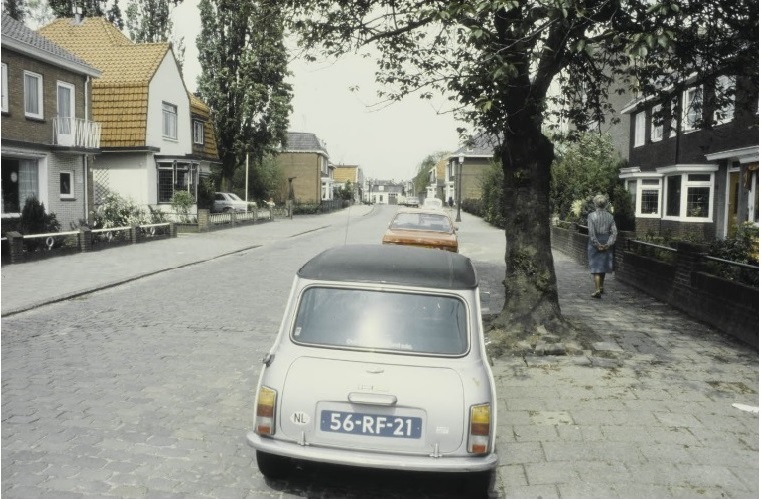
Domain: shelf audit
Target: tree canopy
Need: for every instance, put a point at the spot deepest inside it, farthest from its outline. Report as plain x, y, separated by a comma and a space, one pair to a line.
243, 69
497, 60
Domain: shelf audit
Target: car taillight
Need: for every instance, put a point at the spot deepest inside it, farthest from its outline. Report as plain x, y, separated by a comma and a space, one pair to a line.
480, 429
264, 421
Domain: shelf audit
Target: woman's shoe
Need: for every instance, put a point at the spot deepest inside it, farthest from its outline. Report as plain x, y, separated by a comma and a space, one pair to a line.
597, 294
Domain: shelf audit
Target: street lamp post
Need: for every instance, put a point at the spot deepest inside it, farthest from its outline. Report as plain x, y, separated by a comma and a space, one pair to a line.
461, 160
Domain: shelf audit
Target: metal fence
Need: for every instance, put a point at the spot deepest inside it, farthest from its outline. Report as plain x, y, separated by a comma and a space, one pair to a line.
18, 248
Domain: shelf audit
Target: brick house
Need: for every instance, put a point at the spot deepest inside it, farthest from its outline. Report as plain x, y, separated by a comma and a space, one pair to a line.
305, 159
49, 138
467, 165
437, 185
691, 182
352, 174
157, 138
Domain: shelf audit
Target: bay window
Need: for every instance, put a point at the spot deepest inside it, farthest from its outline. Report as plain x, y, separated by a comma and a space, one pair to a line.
174, 176
689, 195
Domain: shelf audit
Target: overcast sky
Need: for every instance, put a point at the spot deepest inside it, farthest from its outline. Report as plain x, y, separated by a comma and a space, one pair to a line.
387, 143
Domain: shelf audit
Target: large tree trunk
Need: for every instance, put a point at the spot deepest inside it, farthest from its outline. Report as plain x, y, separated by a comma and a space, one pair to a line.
531, 295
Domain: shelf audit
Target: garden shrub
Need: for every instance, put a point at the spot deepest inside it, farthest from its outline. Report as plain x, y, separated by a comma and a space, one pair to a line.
116, 211
182, 201
34, 219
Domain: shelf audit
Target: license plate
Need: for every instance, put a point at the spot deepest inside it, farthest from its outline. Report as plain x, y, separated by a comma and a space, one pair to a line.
376, 425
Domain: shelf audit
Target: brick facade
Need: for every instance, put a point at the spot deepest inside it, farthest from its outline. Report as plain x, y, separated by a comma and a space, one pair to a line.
305, 166
15, 124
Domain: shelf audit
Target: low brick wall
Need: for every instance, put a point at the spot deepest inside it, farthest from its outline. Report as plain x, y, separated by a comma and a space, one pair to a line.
730, 307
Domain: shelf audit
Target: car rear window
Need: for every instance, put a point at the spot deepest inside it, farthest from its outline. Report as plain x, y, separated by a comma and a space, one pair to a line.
421, 221
382, 321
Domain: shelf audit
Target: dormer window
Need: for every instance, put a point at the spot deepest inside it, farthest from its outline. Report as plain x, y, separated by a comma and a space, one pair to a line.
169, 120
198, 132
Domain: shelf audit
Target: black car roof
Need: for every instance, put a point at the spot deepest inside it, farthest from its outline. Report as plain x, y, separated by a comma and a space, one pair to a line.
392, 264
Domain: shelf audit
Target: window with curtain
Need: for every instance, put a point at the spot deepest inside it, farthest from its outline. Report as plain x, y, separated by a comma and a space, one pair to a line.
656, 125
65, 107
169, 123
725, 111
5, 87
20, 181
693, 108
33, 95
639, 129
198, 132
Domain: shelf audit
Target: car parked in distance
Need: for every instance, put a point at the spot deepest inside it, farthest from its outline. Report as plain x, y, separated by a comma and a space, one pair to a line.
433, 204
379, 362
422, 228
228, 201
412, 201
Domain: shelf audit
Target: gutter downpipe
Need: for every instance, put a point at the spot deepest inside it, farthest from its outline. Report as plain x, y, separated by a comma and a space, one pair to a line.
84, 157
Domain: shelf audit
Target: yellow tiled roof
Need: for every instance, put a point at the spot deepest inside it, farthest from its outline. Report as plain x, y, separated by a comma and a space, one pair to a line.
342, 173
120, 95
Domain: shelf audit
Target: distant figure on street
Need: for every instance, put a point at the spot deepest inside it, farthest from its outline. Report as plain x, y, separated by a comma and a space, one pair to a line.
602, 237
450, 201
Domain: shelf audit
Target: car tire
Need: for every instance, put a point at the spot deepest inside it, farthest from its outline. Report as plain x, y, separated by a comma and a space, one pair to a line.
273, 466
227, 210
478, 484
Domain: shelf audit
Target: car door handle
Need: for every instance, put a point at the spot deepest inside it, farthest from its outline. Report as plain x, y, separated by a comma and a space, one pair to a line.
372, 398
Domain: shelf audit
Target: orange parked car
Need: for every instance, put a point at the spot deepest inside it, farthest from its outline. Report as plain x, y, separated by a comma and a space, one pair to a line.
422, 228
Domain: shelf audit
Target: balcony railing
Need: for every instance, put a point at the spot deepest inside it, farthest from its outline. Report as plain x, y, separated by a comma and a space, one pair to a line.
76, 132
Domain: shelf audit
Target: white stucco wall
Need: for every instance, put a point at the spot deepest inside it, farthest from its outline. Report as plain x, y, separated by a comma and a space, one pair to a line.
128, 175
167, 86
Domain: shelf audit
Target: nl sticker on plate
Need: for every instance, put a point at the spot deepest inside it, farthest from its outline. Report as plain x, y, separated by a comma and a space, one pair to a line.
300, 418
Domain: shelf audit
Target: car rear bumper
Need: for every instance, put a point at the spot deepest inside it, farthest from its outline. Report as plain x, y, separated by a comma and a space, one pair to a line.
371, 459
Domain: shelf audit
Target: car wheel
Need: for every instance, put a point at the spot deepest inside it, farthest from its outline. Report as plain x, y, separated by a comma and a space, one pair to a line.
478, 484
272, 466
227, 210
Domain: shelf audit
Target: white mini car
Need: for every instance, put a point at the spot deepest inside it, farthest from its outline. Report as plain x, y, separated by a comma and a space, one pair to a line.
379, 362
228, 201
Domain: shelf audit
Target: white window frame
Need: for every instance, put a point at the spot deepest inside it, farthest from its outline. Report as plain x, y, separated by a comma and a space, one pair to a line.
40, 100
656, 130
686, 184
4, 78
643, 187
169, 120
674, 110
198, 132
72, 103
727, 113
692, 108
70, 194
639, 129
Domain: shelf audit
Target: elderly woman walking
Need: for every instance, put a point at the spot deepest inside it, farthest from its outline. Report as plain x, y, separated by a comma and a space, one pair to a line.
602, 237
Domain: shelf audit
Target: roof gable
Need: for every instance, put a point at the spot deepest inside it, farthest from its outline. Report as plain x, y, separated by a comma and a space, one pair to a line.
304, 142
101, 44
